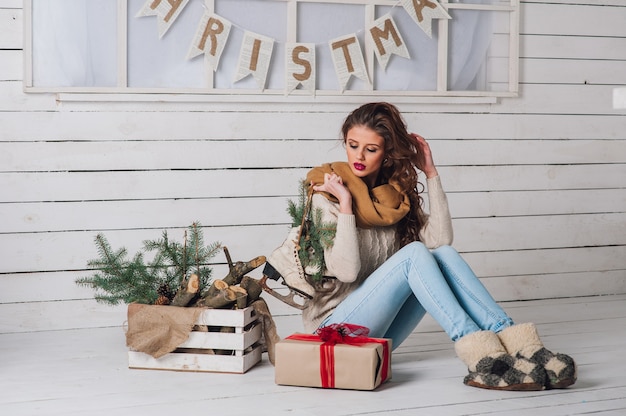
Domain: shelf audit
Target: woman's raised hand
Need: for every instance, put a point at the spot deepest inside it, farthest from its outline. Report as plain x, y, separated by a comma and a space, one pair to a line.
425, 163
333, 184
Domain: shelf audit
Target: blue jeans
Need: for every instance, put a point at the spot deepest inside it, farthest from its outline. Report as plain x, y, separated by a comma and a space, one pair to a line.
415, 280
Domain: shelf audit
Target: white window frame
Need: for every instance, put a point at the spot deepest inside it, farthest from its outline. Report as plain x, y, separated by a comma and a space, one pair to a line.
441, 95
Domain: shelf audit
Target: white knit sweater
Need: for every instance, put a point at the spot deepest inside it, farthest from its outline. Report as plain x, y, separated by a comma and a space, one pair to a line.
357, 252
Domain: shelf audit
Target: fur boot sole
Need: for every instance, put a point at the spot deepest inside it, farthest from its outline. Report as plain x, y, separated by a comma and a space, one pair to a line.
474, 380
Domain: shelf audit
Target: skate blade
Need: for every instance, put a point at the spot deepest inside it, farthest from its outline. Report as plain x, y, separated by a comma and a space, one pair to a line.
289, 299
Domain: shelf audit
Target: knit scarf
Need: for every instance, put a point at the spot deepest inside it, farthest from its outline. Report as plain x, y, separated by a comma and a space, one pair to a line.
382, 205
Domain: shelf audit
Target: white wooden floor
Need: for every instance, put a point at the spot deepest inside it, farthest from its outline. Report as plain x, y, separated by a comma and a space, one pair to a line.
84, 372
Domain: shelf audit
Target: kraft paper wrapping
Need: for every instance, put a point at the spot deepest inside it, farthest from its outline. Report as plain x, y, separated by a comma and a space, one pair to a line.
157, 329
357, 367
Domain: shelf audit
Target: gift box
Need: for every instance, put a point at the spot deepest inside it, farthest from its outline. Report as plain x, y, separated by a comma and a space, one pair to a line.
342, 362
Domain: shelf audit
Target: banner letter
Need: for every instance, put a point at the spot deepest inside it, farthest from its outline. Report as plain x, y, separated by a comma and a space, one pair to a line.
348, 59
423, 12
300, 66
210, 39
166, 11
254, 58
388, 40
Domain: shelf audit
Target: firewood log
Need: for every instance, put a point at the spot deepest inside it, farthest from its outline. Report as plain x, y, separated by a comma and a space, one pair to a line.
215, 287
187, 291
237, 270
241, 295
253, 287
223, 298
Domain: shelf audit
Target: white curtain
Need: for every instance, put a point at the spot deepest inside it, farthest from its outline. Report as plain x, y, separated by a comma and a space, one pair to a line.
74, 45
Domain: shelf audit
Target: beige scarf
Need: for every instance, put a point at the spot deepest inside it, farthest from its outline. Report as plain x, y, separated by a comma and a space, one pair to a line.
380, 206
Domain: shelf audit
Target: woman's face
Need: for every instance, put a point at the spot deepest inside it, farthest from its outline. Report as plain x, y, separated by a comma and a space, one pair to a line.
366, 152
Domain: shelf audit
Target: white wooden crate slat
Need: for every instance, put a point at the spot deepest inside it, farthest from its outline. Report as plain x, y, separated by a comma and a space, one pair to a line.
225, 317
196, 362
223, 341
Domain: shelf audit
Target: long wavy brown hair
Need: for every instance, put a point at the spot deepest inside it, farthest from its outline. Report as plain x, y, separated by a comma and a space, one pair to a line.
399, 165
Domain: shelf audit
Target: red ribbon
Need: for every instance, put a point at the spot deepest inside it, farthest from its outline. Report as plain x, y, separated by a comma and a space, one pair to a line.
341, 334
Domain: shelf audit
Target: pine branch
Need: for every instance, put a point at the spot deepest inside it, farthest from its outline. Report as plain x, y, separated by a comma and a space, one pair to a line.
116, 279
315, 238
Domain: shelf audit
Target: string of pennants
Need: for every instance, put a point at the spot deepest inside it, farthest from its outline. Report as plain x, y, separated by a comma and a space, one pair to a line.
256, 50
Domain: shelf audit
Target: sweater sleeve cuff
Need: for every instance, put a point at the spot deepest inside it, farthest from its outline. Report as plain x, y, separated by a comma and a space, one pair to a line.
434, 183
346, 221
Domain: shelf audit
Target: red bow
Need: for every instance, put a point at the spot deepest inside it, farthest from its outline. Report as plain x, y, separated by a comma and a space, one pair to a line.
341, 334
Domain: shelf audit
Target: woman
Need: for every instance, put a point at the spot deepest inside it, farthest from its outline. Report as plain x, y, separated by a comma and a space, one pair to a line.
390, 262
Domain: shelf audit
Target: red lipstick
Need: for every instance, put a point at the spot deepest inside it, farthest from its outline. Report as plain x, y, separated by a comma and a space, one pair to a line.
359, 166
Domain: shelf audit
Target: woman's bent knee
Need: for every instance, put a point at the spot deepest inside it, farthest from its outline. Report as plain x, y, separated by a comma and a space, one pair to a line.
416, 249
416, 246
445, 251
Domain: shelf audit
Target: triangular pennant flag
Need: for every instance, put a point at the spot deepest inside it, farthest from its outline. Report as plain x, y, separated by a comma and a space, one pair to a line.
424, 11
300, 64
387, 40
210, 39
348, 59
254, 58
166, 12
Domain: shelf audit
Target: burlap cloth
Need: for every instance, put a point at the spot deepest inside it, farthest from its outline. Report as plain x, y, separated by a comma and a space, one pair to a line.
158, 330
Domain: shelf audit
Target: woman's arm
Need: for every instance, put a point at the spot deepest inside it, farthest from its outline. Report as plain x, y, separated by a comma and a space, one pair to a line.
437, 231
342, 259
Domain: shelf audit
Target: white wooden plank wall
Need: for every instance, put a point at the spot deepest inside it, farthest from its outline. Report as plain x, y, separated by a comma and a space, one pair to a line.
537, 183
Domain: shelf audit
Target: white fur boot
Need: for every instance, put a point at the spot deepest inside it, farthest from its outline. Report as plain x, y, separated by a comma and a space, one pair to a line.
522, 340
490, 367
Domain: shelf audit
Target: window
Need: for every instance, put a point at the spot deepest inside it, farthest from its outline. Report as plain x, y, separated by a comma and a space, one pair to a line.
305, 48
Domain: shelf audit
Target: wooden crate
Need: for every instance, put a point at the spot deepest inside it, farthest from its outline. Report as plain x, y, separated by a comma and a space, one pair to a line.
196, 354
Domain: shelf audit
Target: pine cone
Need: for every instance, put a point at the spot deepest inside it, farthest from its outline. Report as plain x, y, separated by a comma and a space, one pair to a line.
162, 300
164, 290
